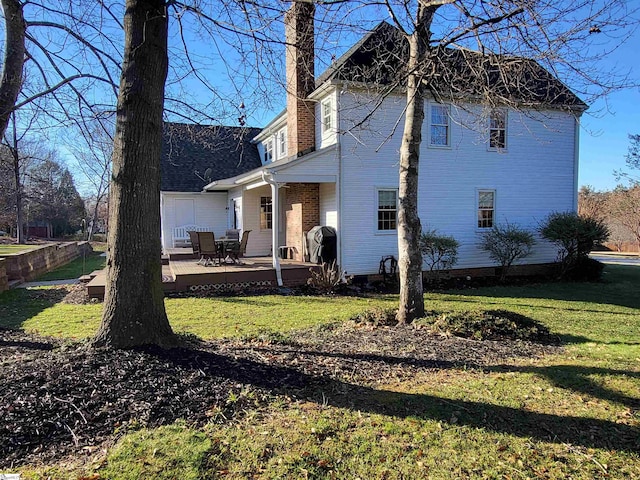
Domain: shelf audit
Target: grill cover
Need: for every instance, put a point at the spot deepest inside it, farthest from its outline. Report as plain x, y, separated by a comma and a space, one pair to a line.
322, 244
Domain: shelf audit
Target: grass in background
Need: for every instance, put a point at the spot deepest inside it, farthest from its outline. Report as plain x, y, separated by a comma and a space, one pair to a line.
9, 249
82, 265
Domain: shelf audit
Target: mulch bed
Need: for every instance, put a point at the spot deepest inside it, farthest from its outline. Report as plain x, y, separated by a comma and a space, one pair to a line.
60, 398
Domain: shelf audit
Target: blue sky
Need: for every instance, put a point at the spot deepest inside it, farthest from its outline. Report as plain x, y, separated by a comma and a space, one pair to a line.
608, 122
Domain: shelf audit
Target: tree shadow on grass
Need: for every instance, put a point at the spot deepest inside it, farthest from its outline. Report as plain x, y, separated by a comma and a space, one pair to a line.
587, 432
577, 379
21, 304
568, 377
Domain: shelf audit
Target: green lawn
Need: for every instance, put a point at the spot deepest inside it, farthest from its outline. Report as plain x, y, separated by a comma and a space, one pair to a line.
12, 248
445, 423
83, 265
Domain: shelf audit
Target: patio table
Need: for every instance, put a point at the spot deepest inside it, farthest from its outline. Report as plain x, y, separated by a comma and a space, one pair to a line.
223, 243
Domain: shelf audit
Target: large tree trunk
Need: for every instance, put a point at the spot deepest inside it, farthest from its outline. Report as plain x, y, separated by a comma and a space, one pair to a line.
14, 55
409, 228
134, 311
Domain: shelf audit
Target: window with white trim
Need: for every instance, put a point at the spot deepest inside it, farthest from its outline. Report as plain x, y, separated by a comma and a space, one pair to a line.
268, 151
282, 143
439, 126
486, 208
326, 115
266, 213
498, 130
387, 209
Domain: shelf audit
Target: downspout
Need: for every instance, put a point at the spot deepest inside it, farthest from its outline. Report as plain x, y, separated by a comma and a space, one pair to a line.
275, 214
339, 179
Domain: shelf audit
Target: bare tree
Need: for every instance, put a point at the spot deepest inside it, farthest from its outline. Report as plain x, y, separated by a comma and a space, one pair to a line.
93, 159
591, 203
23, 154
624, 206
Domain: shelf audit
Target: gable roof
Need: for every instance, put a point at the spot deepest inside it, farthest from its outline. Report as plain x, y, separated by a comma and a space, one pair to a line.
188, 151
381, 56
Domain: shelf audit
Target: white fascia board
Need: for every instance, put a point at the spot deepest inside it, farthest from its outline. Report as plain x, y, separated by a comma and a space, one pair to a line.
182, 194
302, 178
259, 184
272, 127
323, 89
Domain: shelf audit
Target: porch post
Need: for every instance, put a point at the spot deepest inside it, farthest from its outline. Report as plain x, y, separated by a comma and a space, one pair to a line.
275, 223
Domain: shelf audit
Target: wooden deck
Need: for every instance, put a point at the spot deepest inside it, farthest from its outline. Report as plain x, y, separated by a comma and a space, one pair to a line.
181, 273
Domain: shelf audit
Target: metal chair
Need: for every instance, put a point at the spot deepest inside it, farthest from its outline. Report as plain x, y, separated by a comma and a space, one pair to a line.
195, 243
237, 250
232, 234
208, 249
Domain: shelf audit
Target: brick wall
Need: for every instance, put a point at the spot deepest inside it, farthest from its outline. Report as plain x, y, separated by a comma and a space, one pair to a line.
302, 213
300, 77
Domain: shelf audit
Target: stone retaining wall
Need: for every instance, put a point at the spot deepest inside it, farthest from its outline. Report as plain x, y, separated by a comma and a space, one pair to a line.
27, 266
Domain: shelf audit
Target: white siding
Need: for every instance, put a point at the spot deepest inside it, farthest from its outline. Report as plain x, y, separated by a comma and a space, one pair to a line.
328, 207
259, 242
533, 177
209, 210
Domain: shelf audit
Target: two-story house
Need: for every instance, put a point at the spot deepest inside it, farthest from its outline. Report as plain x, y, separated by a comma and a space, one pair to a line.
331, 158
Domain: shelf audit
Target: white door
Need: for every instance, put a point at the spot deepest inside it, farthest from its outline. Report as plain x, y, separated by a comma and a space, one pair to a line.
185, 212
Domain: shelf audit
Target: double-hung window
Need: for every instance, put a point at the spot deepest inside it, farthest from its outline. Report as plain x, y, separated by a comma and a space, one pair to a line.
439, 126
387, 209
268, 151
498, 130
486, 208
266, 213
282, 143
326, 115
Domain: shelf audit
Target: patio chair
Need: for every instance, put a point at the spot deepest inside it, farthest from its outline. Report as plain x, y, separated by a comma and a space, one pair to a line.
236, 250
208, 249
195, 244
232, 234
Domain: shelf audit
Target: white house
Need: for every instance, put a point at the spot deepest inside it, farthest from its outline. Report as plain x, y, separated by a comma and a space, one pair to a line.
331, 158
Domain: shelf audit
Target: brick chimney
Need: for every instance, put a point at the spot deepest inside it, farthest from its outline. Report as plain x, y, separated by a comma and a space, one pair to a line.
300, 58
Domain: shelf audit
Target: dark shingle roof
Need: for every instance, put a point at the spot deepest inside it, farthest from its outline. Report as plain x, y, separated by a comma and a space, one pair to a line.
381, 58
188, 149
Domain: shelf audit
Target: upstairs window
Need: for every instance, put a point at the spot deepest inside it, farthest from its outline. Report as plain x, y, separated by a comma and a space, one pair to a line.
439, 126
268, 151
486, 208
387, 209
282, 143
266, 213
498, 130
326, 116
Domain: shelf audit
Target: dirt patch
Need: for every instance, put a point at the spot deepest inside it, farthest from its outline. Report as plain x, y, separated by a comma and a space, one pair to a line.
77, 295
59, 399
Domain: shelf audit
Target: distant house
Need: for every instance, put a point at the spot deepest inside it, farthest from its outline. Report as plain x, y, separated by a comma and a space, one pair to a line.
331, 158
